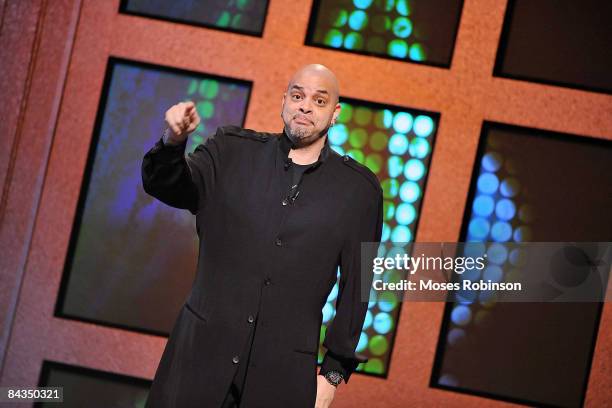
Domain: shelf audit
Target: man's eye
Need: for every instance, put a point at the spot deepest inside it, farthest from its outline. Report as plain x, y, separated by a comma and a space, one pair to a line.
321, 101
296, 96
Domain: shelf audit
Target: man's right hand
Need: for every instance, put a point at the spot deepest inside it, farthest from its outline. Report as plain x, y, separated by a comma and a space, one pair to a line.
181, 119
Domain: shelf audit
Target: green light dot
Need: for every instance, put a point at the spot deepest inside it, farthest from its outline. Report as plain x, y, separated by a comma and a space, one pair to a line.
397, 48
389, 5
206, 109
374, 366
378, 345
346, 113
197, 139
338, 17
374, 162
353, 41
417, 52
224, 19
363, 116
388, 210
209, 88
322, 333
357, 155
333, 38
378, 140
358, 138
379, 119
402, 27
193, 87
390, 188
237, 20
381, 24
244, 4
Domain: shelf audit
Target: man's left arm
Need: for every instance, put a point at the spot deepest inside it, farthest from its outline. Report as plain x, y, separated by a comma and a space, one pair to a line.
343, 334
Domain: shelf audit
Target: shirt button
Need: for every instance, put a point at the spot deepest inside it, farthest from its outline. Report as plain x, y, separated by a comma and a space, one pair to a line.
278, 242
235, 360
346, 158
285, 202
267, 281
251, 319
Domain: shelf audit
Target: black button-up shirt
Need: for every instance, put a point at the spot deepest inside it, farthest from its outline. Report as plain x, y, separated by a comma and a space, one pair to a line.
267, 252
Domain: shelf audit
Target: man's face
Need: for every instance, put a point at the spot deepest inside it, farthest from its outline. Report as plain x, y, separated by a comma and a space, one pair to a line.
308, 108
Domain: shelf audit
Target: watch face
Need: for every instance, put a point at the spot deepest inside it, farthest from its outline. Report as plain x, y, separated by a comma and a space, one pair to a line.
334, 377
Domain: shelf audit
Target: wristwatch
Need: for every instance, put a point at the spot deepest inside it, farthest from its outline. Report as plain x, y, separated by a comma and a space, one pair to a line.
333, 377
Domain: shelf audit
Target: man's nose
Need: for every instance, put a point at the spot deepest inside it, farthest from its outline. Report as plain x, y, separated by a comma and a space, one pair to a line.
305, 107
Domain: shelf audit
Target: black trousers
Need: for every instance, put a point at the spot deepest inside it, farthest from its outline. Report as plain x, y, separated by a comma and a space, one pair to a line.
234, 393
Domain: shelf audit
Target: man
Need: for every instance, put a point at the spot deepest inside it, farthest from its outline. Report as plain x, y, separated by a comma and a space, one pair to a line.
276, 215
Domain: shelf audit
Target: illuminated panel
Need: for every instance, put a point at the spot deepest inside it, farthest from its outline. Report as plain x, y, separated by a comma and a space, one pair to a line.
84, 387
527, 186
559, 42
132, 259
396, 144
241, 16
420, 31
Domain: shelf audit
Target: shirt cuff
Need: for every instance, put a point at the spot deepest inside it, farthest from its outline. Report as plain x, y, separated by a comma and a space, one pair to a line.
345, 366
169, 153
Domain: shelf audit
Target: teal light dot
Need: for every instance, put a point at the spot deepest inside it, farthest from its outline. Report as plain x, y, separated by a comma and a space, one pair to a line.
397, 48
402, 122
387, 301
358, 138
363, 342
338, 134
353, 41
419, 148
383, 323
358, 20
398, 144
417, 52
401, 233
368, 318
390, 188
378, 141
333, 38
338, 150
387, 118
386, 232
423, 126
362, 4
414, 169
402, 27
328, 312
402, 7
333, 294
409, 192
395, 166
405, 214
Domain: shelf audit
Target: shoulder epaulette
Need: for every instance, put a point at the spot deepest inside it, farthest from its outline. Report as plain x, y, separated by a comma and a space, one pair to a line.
363, 170
232, 130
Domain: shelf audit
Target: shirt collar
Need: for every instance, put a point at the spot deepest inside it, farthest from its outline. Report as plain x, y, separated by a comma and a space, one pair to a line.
285, 145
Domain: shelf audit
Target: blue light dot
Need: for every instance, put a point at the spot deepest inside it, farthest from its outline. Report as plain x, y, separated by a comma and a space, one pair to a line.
522, 234
398, 144
505, 209
358, 20
501, 231
405, 214
417, 52
337, 134
509, 187
423, 126
487, 183
383, 323
401, 233
387, 118
362, 4
455, 335
363, 342
414, 170
497, 253
493, 273
368, 319
388, 301
410, 192
491, 162
395, 166
402, 27
397, 48
419, 148
461, 315
402, 122
479, 228
332, 294
402, 7
386, 232
483, 205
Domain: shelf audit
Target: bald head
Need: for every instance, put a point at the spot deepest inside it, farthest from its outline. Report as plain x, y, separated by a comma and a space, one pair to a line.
318, 74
